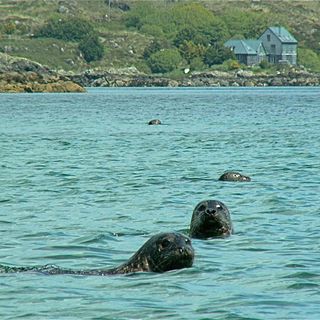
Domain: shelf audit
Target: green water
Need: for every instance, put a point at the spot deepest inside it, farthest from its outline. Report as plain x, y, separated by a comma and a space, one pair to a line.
84, 182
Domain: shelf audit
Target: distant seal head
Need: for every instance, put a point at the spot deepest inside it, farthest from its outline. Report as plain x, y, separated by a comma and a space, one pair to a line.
162, 252
154, 122
234, 176
210, 218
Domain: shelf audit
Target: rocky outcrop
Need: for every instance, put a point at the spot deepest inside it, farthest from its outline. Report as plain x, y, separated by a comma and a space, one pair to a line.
23, 75
239, 78
243, 78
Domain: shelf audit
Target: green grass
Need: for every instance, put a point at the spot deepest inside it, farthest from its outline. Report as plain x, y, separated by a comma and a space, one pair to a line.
124, 47
50, 52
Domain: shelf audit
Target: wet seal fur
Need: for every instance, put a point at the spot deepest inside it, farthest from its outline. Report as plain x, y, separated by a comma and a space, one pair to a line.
234, 176
210, 218
154, 122
162, 252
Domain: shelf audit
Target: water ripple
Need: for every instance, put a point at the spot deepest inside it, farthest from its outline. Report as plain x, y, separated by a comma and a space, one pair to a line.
85, 182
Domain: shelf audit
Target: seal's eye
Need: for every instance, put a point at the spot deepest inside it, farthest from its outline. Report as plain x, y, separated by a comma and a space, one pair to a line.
187, 241
165, 243
202, 207
218, 206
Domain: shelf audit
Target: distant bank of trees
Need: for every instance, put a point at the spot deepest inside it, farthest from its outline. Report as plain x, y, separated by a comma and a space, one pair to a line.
184, 33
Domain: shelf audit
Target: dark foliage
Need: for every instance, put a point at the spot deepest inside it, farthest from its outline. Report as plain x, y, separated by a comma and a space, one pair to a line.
71, 29
217, 54
164, 60
91, 48
154, 46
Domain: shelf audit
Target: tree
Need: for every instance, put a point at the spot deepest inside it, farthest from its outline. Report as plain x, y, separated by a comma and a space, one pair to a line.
189, 50
217, 54
91, 48
165, 60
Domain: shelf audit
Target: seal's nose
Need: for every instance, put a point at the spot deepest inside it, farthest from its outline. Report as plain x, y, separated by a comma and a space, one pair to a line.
185, 250
210, 212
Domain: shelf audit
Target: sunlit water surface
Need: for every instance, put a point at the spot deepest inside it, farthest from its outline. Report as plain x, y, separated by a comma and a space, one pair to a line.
84, 182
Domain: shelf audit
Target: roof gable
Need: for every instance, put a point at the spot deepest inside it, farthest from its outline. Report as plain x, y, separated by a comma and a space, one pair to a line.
283, 34
244, 46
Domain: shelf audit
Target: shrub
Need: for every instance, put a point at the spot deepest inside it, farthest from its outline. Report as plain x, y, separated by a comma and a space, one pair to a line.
9, 28
164, 60
232, 64
217, 54
152, 30
91, 48
264, 64
309, 59
154, 46
197, 64
71, 29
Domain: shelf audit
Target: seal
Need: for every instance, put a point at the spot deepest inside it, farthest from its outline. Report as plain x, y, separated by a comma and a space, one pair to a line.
154, 122
234, 176
210, 218
161, 253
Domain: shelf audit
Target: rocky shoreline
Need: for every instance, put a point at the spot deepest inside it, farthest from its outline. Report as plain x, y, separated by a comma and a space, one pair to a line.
239, 78
23, 75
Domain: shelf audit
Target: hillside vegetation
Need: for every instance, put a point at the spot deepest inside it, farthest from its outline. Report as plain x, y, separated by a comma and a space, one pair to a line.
160, 36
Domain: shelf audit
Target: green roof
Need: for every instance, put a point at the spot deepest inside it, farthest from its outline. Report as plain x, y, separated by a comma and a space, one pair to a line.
283, 34
244, 46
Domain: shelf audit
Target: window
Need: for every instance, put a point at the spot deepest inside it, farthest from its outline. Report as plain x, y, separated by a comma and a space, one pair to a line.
268, 37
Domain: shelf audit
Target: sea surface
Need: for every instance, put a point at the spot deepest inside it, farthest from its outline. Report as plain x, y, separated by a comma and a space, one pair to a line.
84, 182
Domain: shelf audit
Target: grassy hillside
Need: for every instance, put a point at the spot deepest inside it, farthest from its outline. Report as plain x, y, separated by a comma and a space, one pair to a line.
127, 27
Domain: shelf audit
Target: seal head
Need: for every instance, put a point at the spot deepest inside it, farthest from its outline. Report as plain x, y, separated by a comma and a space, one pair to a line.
162, 252
154, 122
234, 176
210, 218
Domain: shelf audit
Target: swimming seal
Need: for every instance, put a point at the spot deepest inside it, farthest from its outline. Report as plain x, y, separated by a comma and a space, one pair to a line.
234, 176
162, 252
210, 218
154, 122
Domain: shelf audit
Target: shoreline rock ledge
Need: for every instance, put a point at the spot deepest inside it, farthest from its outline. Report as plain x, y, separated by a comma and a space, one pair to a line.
238, 78
23, 75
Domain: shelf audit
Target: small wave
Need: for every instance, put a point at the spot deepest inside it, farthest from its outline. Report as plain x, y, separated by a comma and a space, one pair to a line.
305, 285
193, 179
98, 238
295, 265
302, 275
6, 222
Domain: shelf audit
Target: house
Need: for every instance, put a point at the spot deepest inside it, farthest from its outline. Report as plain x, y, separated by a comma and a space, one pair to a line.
280, 45
249, 52
276, 45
